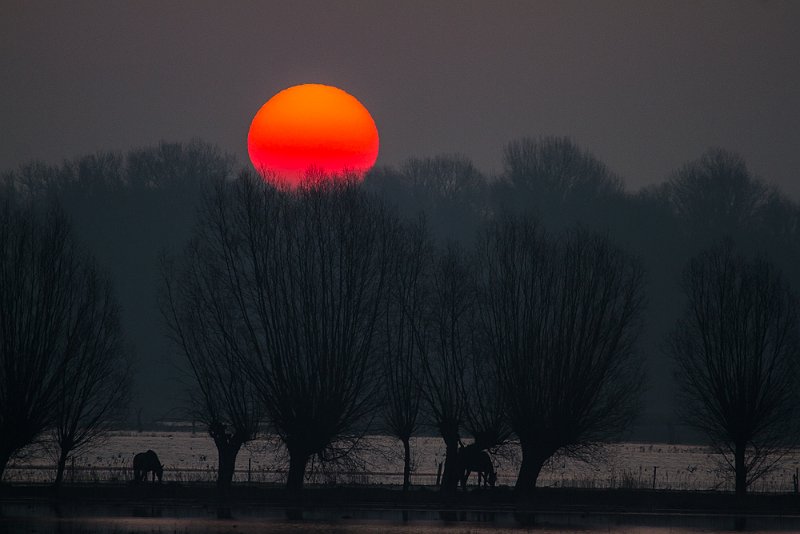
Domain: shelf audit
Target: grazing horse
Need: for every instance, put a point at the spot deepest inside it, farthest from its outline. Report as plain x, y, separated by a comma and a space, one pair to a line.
145, 462
471, 458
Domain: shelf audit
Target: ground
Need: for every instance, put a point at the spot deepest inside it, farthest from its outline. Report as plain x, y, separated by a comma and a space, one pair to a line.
493, 499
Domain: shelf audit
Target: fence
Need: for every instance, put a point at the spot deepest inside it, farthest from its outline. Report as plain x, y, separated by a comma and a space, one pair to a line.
191, 458
44, 474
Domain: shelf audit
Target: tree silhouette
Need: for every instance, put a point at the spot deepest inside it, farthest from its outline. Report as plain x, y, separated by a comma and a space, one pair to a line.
560, 318
448, 189
554, 173
58, 334
126, 208
442, 178
445, 345
780, 218
93, 391
196, 306
304, 274
737, 349
402, 321
779, 225
716, 195
176, 167
485, 417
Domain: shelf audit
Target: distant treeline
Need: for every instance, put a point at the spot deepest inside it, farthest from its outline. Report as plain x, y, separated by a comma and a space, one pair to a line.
548, 305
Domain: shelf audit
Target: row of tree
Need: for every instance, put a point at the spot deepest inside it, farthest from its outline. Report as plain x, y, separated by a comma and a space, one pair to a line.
66, 371
318, 312
439, 331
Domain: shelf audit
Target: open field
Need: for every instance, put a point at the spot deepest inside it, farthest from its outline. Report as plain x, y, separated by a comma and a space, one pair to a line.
191, 457
614, 494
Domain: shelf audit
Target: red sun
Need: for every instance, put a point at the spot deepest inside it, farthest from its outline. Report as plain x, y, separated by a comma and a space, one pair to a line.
312, 127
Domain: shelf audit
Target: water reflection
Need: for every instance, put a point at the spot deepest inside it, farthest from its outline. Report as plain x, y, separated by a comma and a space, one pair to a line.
71, 518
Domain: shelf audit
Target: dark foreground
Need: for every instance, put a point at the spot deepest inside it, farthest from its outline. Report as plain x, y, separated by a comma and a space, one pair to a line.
198, 508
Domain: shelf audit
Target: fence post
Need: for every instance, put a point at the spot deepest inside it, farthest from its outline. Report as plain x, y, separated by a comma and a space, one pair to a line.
248, 469
439, 474
654, 476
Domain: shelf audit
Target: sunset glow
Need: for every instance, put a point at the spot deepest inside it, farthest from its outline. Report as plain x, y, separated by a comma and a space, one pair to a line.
311, 127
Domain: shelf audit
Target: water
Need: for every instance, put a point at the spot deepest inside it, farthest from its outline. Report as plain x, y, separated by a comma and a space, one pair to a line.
166, 518
192, 457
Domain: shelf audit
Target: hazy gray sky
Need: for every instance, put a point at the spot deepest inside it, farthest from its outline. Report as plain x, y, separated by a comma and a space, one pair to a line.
644, 85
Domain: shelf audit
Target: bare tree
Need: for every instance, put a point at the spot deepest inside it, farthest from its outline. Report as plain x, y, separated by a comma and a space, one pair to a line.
33, 180
557, 169
127, 207
717, 193
737, 348
176, 166
305, 274
448, 189
454, 178
445, 348
486, 417
404, 315
37, 270
93, 391
203, 323
780, 218
560, 318
44, 334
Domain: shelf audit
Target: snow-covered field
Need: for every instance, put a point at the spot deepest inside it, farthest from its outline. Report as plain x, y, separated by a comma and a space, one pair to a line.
192, 457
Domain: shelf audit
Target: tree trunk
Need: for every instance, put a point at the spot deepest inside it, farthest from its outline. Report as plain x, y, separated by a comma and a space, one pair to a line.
532, 462
406, 464
227, 464
741, 472
60, 466
451, 475
297, 471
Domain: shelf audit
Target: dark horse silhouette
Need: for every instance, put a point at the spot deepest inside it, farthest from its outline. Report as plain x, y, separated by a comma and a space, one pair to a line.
472, 458
145, 462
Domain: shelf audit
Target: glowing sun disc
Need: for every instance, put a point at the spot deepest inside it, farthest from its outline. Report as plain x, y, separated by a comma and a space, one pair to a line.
312, 127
